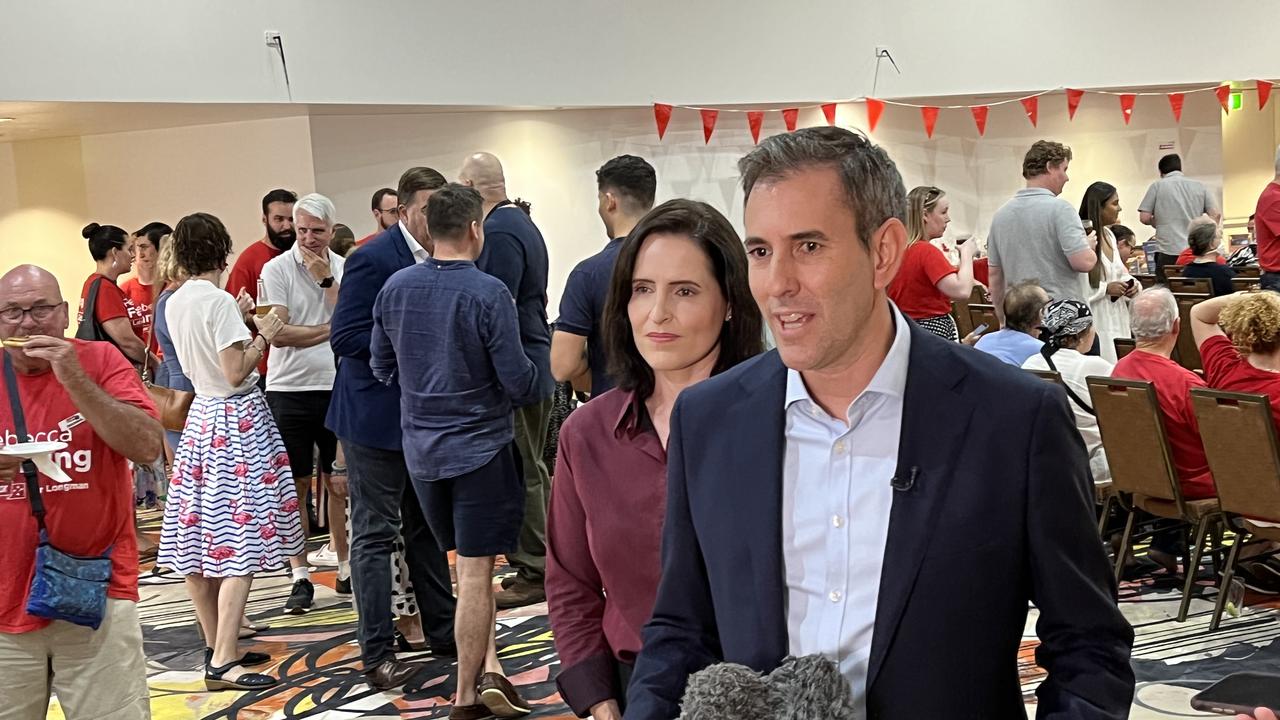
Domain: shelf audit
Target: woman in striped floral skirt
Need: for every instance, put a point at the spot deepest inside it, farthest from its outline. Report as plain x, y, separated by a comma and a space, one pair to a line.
232, 510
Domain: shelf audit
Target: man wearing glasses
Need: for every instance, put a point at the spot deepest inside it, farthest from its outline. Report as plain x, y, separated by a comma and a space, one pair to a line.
386, 212
87, 399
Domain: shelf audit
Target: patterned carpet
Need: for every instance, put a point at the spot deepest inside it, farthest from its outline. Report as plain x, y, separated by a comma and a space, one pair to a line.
317, 656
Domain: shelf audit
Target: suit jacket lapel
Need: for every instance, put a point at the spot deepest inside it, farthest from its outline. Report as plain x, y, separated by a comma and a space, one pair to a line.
934, 419
755, 466
401, 246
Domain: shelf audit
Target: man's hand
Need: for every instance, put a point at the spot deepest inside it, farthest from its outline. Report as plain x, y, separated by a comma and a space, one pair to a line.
316, 265
1260, 714
9, 466
58, 352
608, 710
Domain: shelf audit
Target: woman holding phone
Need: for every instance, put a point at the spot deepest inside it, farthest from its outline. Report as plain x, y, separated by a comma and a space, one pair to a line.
926, 283
1110, 284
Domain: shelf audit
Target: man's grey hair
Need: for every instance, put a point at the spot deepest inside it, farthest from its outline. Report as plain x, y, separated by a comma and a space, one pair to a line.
1153, 314
873, 186
316, 205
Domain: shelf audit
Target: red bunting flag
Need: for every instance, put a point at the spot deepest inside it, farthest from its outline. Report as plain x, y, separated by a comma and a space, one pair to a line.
708, 123
1264, 93
830, 111
1073, 102
930, 116
662, 114
1175, 104
980, 118
875, 108
1032, 106
1224, 97
1126, 106
790, 116
755, 119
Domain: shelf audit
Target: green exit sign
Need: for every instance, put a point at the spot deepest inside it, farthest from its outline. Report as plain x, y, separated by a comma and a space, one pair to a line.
1237, 100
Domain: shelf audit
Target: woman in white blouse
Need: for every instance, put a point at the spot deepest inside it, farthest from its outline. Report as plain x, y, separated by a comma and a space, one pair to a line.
1110, 284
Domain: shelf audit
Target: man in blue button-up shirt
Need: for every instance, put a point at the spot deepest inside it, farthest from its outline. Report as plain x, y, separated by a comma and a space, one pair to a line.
447, 334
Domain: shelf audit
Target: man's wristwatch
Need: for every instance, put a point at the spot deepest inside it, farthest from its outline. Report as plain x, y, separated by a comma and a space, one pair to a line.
327, 282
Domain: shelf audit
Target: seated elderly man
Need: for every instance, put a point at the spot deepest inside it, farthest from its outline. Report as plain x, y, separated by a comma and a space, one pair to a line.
1019, 339
86, 397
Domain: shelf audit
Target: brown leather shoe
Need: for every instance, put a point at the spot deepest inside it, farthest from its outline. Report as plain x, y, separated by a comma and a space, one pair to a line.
500, 696
390, 673
520, 594
470, 712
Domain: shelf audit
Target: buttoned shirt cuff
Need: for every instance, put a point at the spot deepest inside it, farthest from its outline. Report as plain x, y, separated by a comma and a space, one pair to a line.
587, 683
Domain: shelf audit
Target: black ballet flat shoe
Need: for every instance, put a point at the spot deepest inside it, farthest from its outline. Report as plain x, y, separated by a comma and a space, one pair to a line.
403, 644
248, 681
249, 660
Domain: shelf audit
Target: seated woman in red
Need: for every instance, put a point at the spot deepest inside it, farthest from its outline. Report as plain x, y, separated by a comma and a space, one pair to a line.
679, 311
927, 282
1239, 339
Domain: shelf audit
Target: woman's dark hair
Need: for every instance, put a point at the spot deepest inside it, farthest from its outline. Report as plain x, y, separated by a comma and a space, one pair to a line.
1091, 206
156, 232
103, 239
1202, 239
201, 244
741, 337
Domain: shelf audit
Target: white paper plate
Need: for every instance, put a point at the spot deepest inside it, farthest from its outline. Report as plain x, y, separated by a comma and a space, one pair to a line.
31, 449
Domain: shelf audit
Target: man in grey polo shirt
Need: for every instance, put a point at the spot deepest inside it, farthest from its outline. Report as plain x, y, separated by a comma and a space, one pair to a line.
1037, 236
1171, 203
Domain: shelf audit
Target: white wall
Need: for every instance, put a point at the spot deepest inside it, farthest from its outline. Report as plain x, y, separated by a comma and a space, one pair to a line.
614, 52
135, 177
551, 157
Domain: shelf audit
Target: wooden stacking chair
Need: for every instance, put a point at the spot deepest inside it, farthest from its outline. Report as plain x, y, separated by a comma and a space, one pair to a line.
1239, 434
1197, 286
1245, 283
1124, 346
1146, 280
1187, 350
1049, 375
1142, 470
1249, 271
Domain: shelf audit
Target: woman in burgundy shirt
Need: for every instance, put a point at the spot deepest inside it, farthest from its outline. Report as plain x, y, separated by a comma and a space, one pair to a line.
679, 311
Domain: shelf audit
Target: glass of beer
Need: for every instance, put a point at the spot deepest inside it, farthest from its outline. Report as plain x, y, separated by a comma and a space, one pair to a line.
261, 307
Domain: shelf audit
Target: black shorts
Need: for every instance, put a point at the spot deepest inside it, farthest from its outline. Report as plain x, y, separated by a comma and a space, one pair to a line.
479, 514
300, 417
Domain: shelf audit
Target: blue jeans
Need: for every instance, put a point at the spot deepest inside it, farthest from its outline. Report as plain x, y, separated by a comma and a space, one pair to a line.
383, 504
1270, 281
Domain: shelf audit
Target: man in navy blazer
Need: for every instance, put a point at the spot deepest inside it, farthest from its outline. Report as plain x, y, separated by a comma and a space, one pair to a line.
365, 415
872, 493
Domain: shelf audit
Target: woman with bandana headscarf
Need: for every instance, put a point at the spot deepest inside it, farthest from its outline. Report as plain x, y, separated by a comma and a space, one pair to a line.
1068, 329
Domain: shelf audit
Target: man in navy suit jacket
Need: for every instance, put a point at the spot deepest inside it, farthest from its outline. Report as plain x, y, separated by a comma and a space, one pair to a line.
365, 415
872, 493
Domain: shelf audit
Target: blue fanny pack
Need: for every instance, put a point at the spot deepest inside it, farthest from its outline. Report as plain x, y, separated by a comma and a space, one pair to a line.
65, 586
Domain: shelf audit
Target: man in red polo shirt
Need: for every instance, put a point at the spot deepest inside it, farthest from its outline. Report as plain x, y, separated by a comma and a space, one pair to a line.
277, 218
86, 397
386, 212
1267, 222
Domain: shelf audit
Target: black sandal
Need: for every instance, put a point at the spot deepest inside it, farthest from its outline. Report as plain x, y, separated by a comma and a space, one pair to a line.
248, 681
248, 660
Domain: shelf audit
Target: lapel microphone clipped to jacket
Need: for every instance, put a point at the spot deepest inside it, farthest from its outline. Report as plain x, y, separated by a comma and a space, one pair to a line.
901, 484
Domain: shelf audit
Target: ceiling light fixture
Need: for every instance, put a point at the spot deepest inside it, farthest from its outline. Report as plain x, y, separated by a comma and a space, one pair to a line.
5, 119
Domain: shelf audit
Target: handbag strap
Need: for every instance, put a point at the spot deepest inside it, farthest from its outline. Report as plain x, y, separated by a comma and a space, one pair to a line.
1048, 358
146, 350
20, 426
94, 332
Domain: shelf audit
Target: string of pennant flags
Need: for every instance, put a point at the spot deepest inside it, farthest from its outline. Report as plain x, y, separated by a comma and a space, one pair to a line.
929, 113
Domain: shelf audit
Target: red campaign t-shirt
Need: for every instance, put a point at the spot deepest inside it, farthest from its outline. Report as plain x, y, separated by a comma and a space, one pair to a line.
1173, 385
143, 297
365, 239
982, 271
112, 303
1267, 222
1186, 257
244, 276
86, 516
915, 289
1225, 369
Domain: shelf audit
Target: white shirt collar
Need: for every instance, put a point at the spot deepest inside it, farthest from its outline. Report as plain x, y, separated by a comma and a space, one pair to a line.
890, 377
419, 253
